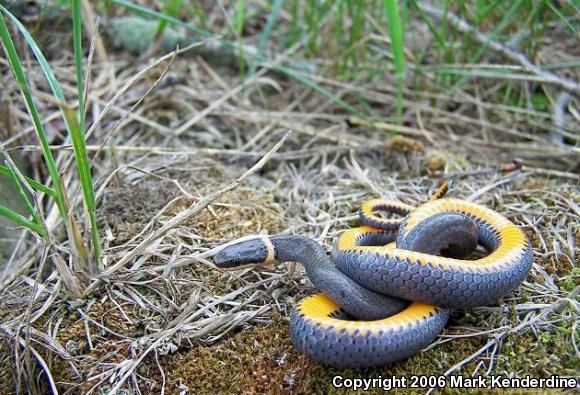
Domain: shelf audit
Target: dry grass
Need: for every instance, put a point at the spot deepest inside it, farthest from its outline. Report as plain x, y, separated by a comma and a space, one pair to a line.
168, 319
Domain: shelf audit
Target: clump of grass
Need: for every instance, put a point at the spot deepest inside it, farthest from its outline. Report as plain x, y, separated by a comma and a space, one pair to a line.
344, 33
277, 66
75, 124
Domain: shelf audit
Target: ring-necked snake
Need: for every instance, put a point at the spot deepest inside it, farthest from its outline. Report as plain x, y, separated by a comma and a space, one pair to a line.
364, 315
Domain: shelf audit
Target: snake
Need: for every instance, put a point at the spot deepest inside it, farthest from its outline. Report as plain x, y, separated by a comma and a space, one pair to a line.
387, 290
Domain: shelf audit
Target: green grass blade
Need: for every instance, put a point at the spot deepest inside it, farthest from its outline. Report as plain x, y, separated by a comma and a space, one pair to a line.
13, 216
82, 162
18, 72
438, 37
562, 17
78, 53
141, 10
397, 44
16, 180
23, 196
507, 18
308, 82
484, 11
171, 8
294, 30
77, 133
46, 69
239, 18
33, 183
272, 18
71, 123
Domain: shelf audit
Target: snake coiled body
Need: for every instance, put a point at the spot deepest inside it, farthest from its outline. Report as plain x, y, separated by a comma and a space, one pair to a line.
387, 293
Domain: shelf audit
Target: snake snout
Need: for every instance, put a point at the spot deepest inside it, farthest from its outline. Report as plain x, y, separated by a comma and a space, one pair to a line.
246, 252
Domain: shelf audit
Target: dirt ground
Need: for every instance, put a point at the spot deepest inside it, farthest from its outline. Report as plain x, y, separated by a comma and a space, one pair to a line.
168, 321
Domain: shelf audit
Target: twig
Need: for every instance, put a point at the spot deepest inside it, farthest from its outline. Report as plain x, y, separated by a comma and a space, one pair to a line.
552, 173
158, 338
137, 77
91, 27
184, 216
26, 345
556, 307
389, 127
475, 195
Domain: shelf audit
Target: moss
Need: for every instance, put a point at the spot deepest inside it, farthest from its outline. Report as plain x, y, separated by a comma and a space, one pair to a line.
105, 347
261, 359
128, 209
542, 356
256, 360
228, 219
435, 164
404, 144
571, 281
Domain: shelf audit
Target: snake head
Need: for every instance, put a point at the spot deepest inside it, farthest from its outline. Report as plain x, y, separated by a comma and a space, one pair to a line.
454, 234
244, 253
